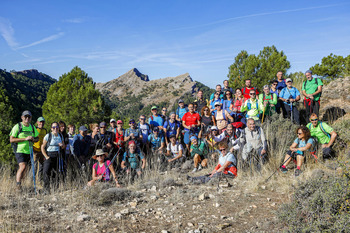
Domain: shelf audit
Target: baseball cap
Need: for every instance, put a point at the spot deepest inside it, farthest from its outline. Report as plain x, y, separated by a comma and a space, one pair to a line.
214, 127
131, 142
103, 124
112, 120
26, 113
82, 128
193, 137
217, 104
308, 71
131, 120
41, 119
289, 80
180, 101
172, 135
119, 122
154, 107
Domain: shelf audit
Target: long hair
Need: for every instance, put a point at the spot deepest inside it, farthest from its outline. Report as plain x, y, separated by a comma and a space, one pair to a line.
305, 130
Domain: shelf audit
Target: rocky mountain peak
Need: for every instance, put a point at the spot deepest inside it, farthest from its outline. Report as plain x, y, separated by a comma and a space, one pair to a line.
33, 74
135, 75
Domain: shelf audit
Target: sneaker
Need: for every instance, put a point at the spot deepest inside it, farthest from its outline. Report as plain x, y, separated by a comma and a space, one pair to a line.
200, 167
283, 169
194, 170
297, 172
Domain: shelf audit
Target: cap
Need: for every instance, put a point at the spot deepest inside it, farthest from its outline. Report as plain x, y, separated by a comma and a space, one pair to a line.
217, 104
308, 71
112, 120
193, 137
131, 142
83, 128
289, 80
131, 120
99, 152
154, 107
103, 124
119, 122
180, 101
172, 113
156, 129
41, 119
172, 135
214, 127
26, 113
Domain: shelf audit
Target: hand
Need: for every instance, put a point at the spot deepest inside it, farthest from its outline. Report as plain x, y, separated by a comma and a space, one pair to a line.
291, 100
311, 97
47, 157
117, 184
29, 138
265, 103
294, 150
99, 177
263, 151
109, 145
170, 160
127, 171
60, 144
325, 146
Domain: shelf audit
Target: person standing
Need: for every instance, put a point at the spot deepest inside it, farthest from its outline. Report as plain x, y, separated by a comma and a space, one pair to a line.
311, 89
248, 87
22, 136
290, 95
200, 100
81, 145
269, 100
38, 156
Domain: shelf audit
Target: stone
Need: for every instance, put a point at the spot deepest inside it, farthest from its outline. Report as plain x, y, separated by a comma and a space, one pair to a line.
217, 205
83, 218
223, 226
54, 199
118, 215
125, 212
187, 165
68, 228
154, 188
133, 204
203, 196
164, 231
169, 182
153, 197
190, 224
273, 204
263, 187
268, 199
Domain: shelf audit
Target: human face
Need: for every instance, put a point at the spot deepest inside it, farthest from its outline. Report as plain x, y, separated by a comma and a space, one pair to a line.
200, 95
83, 133
100, 158
26, 119
41, 124
103, 129
279, 75
120, 125
54, 128
289, 84
248, 83
251, 125
225, 83
181, 105
71, 130
218, 88
308, 75
218, 107
142, 119
132, 147
96, 130
194, 141
228, 95
267, 91
274, 85
172, 116
62, 128
206, 111
223, 150
238, 93
314, 121
229, 130
113, 124
300, 133
154, 111
191, 108
155, 132
164, 111
252, 95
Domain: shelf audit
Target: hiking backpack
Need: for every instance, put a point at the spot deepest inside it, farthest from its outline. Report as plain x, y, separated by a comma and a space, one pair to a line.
136, 159
50, 138
168, 125
106, 173
224, 111
14, 145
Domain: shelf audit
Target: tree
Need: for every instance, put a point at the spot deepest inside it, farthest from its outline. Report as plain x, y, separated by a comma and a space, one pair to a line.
260, 69
331, 67
74, 99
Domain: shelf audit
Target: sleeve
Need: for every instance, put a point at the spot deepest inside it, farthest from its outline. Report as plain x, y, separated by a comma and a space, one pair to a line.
303, 85
231, 158
261, 97
141, 156
244, 106
220, 137
36, 133
310, 141
282, 93
124, 156
319, 82
94, 167
108, 162
150, 121
126, 133
184, 117
327, 128
46, 138
149, 137
263, 139
296, 141
212, 96
165, 124
274, 96
180, 147
14, 131
261, 105
296, 92
168, 147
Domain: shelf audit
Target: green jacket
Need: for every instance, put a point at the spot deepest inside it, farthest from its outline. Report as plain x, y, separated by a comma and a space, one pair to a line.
200, 149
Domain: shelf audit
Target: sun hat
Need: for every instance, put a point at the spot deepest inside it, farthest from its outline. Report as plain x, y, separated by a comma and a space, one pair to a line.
99, 152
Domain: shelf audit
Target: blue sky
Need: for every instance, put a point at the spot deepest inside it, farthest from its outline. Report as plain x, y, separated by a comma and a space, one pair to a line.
166, 38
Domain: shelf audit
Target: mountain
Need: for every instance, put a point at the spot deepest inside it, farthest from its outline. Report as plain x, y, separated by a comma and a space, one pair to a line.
26, 90
132, 93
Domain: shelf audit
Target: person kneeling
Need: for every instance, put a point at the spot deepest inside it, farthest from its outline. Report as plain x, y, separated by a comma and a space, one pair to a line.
303, 143
102, 169
131, 161
227, 166
198, 153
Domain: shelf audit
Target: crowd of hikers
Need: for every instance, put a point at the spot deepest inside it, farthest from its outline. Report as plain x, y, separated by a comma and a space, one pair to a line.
229, 123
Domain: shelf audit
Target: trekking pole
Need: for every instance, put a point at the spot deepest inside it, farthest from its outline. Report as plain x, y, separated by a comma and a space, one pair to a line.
291, 112
278, 168
262, 120
115, 156
32, 161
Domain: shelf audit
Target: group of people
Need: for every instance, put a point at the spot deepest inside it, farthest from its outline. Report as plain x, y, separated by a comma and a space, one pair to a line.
228, 123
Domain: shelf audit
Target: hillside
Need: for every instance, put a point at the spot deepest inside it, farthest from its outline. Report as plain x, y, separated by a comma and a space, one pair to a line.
133, 92
26, 90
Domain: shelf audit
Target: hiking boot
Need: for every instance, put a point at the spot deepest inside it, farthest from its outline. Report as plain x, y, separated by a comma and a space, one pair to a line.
189, 178
194, 170
283, 169
18, 188
200, 167
297, 172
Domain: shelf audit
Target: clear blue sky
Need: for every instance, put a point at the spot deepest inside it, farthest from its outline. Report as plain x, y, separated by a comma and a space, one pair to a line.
167, 38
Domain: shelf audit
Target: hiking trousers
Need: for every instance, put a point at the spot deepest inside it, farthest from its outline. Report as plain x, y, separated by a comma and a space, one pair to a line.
314, 107
295, 113
50, 170
207, 178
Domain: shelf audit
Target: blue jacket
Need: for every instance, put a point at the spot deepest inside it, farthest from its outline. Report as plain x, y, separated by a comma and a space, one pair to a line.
81, 145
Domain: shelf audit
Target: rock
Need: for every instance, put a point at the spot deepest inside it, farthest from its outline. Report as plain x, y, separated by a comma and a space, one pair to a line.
83, 218
216, 205
153, 197
154, 188
54, 199
190, 224
241, 213
268, 199
133, 204
223, 217
263, 187
223, 226
114, 194
118, 215
187, 165
273, 204
317, 173
254, 206
125, 212
203, 196
164, 231
211, 196
68, 228
169, 182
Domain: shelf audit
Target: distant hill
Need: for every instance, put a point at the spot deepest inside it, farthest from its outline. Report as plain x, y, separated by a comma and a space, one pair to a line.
26, 90
132, 93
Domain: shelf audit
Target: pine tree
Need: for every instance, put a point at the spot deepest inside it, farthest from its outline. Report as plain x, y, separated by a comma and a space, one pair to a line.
331, 67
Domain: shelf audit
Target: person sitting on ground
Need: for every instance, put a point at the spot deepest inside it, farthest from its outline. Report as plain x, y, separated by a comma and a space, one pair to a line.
324, 134
312, 89
191, 121
302, 143
218, 89
226, 88
227, 166
255, 144
253, 107
171, 126
22, 136
269, 101
231, 135
227, 102
81, 145
236, 105
133, 133
199, 153
155, 120
175, 152
215, 100
290, 95
156, 141
221, 117
102, 170
207, 121
248, 88
181, 110
51, 148
212, 144
132, 159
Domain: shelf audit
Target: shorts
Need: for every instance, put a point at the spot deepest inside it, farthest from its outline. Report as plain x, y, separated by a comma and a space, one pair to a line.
293, 154
22, 158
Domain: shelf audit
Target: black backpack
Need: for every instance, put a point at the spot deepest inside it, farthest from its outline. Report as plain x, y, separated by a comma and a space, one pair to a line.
15, 144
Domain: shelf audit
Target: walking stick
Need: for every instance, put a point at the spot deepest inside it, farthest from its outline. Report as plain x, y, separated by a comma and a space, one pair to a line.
32, 161
278, 168
291, 112
111, 161
262, 120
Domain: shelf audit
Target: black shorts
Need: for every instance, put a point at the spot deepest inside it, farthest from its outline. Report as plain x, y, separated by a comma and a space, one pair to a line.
294, 154
22, 158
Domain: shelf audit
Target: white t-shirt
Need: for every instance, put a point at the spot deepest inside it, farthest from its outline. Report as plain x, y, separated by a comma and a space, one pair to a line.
55, 140
229, 157
145, 131
175, 150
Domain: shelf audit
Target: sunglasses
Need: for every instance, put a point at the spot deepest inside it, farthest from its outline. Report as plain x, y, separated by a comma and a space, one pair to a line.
275, 84
142, 118
132, 122
313, 119
27, 116
222, 149
217, 106
299, 133
252, 94
164, 110
206, 110
55, 127
98, 156
228, 94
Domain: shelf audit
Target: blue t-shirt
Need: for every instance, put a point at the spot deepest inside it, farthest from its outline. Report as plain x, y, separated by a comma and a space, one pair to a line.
155, 142
212, 104
133, 159
281, 85
302, 143
286, 93
55, 140
181, 112
226, 105
172, 127
212, 96
145, 131
129, 131
157, 121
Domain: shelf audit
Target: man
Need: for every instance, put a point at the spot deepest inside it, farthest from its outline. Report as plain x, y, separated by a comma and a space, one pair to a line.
311, 89
290, 95
156, 142
269, 101
201, 102
253, 106
255, 144
133, 161
38, 156
226, 88
145, 130
199, 152
71, 134
113, 125
246, 90
175, 152
217, 89
181, 110
133, 133
155, 119
191, 121
81, 145
171, 127
105, 139
324, 134
231, 135
22, 137
164, 114
281, 83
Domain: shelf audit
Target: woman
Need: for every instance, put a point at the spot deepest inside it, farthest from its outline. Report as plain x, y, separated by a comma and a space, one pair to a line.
302, 143
269, 100
227, 102
95, 129
215, 100
63, 131
207, 120
102, 169
227, 166
51, 148
133, 162
211, 142
236, 106
220, 117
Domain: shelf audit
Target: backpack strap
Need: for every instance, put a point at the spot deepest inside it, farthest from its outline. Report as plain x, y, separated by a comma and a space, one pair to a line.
96, 167
324, 131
